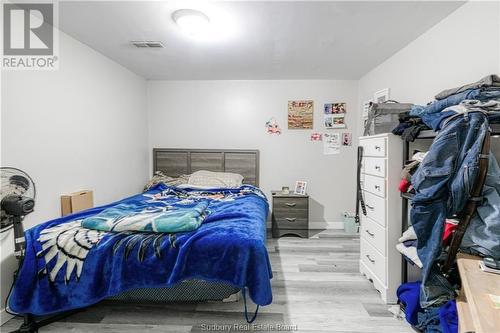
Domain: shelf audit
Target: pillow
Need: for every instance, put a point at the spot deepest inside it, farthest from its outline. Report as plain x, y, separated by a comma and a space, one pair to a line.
160, 177
215, 179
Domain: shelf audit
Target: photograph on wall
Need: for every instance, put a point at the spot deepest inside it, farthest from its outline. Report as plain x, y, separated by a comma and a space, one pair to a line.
300, 114
331, 143
334, 115
335, 121
335, 108
346, 139
272, 126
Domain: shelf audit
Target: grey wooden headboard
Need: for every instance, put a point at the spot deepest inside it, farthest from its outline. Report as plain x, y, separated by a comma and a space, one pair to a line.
175, 162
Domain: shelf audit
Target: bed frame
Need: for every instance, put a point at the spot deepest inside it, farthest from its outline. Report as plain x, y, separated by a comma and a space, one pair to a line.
175, 162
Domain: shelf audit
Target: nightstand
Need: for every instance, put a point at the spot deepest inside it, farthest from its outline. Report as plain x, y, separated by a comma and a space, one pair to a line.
290, 214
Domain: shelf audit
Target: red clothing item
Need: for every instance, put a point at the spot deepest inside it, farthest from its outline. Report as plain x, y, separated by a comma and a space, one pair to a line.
449, 229
404, 185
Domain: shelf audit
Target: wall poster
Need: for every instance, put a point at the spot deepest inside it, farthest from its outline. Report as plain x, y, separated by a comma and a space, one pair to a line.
331, 143
300, 114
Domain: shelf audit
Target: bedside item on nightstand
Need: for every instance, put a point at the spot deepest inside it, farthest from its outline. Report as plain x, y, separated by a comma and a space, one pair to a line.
290, 214
300, 187
285, 190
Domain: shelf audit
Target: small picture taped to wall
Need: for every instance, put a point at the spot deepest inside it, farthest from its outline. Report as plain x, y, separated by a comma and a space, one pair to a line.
335, 108
346, 139
300, 114
335, 121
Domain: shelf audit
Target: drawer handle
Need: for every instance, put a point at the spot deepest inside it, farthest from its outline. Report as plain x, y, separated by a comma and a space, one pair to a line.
369, 207
293, 204
369, 258
377, 167
377, 148
377, 187
369, 233
290, 219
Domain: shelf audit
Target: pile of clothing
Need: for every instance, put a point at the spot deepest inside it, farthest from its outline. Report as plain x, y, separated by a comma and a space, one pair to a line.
443, 180
432, 320
410, 125
408, 171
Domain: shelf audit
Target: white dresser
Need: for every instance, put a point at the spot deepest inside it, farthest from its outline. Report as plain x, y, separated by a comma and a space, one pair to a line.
380, 229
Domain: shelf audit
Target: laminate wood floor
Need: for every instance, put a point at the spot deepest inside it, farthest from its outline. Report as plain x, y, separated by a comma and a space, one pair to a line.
317, 287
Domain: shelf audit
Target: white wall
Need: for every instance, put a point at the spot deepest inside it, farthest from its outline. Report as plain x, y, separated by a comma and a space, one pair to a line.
232, 114
460, 49
81, 127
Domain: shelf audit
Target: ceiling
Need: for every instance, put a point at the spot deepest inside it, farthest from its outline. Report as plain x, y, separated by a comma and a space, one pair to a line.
253, 40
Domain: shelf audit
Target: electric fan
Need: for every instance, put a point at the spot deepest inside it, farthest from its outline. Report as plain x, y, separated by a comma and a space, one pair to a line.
17, 195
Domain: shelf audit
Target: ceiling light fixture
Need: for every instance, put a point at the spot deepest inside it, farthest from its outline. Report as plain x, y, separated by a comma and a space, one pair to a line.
191, 21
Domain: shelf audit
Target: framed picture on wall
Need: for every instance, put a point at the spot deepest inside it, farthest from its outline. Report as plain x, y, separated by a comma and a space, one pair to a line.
381, 96
300, 187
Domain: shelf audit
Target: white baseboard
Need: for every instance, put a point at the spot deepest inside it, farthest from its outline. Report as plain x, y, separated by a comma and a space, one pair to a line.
326, 225
321, 225
4, 316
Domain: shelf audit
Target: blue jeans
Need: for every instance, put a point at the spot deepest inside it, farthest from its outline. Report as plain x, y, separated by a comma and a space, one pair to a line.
483, 234
442, 184
433, 116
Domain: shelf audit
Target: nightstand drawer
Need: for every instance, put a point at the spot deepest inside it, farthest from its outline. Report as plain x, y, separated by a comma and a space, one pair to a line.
291, 222
287, 206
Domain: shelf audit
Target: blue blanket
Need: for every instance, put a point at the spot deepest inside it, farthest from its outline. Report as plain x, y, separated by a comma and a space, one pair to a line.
68, 266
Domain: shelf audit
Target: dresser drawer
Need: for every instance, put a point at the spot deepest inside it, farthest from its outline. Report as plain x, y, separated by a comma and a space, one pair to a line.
375, 185
374, 233
290, 207
374, 146
375, 207
374, 166
291, 223
375, 261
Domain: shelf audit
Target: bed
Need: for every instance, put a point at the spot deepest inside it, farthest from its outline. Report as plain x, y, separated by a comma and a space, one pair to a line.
225, 254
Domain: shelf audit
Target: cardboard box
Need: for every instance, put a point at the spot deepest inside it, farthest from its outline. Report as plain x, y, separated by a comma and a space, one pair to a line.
77, 201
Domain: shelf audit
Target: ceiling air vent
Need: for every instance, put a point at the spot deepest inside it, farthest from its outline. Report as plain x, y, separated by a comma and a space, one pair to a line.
147, 43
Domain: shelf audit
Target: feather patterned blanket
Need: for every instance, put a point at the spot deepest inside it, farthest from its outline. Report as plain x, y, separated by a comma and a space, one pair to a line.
155, 239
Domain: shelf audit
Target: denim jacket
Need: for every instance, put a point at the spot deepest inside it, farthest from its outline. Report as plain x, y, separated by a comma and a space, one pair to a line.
442, 184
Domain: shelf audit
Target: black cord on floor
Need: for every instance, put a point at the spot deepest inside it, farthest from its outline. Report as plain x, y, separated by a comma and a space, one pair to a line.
246, 310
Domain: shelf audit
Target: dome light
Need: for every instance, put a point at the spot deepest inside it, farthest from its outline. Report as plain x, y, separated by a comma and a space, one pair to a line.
191, 21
